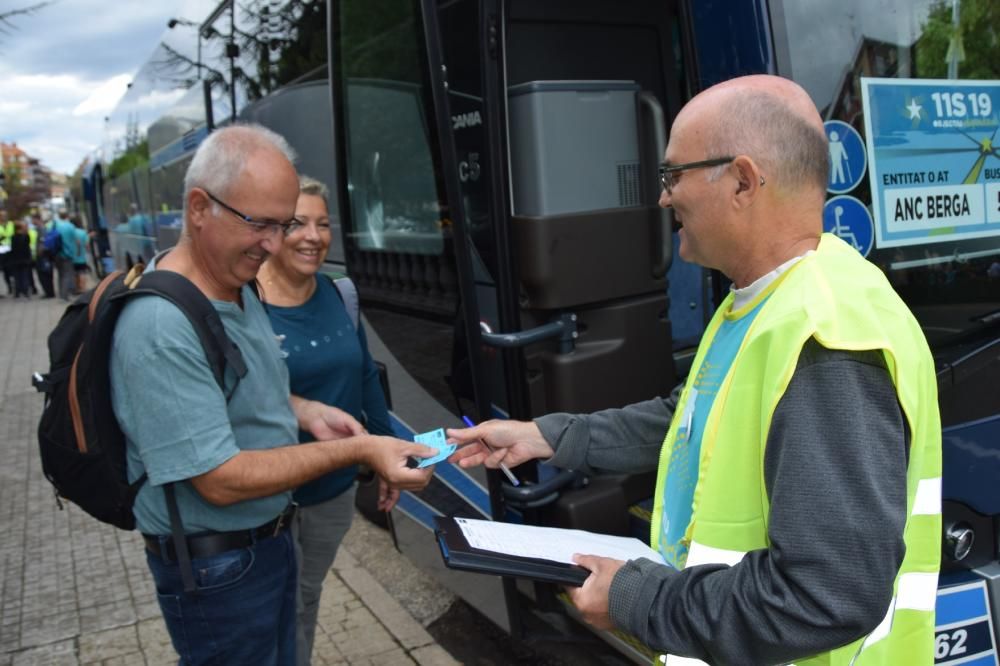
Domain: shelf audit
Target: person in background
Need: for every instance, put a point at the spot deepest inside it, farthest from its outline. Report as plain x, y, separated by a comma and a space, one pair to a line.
231, 456
328, 361
7, 229
67, 254
19, 260
80, 267
43, 259
33, 243
798, 495
139, 227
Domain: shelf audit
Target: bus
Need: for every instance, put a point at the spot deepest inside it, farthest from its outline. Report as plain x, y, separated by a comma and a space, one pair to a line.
494, 165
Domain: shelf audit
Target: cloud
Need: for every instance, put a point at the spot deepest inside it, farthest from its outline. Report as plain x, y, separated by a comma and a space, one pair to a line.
158, 100
63, 69
105, 97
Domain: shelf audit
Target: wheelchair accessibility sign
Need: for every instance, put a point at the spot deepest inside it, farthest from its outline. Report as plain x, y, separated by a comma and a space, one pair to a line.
847, 156
849, 219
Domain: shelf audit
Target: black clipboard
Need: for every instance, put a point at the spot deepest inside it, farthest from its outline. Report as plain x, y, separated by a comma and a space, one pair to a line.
458, 554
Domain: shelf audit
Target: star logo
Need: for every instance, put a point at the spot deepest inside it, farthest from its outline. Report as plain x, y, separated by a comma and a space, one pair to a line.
914, 109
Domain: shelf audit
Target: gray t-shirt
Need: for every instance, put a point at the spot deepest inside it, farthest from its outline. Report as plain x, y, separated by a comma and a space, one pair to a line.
175, 417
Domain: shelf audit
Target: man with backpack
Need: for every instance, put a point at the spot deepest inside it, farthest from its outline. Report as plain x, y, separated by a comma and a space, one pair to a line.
225, 458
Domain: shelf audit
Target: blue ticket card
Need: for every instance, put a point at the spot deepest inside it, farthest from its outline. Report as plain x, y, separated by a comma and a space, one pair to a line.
436, 439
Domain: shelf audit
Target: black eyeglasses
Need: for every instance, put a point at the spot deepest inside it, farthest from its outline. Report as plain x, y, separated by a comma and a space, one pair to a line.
667, 171
260, 227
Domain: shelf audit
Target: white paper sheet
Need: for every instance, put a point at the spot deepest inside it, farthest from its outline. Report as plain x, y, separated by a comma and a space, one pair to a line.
550, 543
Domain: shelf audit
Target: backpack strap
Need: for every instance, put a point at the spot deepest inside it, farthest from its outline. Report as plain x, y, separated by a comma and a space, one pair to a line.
180, 541
346, 289
219, 349
348, 292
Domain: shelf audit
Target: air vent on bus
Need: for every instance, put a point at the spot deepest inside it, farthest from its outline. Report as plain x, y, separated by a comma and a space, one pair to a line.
628, 184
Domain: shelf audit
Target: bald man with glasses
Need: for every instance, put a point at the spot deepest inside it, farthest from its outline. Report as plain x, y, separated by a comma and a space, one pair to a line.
230, 456
797, 504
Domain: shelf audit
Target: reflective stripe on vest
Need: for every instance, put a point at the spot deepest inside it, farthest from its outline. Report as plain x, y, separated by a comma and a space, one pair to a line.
844, 302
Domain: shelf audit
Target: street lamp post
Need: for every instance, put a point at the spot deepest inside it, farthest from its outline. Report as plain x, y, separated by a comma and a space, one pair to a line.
232, 50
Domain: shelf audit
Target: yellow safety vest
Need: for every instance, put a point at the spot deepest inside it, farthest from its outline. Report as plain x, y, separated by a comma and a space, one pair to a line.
845, 302
6, 232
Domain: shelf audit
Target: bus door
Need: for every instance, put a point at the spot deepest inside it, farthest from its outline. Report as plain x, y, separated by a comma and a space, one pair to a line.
498, 186
578, 98
403, 221
588, 91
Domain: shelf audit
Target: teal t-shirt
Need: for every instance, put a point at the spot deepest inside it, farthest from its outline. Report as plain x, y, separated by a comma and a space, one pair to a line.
80, 256
176, 419
328, 361
682, 473
67, 231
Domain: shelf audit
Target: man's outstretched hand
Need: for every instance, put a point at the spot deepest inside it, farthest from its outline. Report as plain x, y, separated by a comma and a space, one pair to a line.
512, 443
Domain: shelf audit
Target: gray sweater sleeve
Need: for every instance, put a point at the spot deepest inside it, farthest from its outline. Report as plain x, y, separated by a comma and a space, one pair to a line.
625, 440
835, 472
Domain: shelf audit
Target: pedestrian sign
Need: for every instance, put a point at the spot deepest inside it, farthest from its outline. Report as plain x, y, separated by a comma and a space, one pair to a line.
847, 156
849, 219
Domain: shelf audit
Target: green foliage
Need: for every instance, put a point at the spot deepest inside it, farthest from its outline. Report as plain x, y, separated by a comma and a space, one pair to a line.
19, 198
136, 156
979, 23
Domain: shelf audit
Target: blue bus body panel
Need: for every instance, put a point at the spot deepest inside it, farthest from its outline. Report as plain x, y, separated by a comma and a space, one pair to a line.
971, 464
731, 39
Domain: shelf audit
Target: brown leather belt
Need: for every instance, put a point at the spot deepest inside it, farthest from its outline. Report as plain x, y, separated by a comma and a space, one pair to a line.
212, 543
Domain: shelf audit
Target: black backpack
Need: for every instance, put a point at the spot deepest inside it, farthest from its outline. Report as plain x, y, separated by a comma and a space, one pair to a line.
82, 447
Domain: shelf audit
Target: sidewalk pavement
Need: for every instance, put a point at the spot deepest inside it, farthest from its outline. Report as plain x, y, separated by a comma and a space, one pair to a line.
76, 591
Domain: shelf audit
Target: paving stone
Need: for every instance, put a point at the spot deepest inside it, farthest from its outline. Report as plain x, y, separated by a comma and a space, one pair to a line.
47, 628
102, 645
62, 653
365, 640
433, 655
388, 658
401, 624
123, 660
106, 616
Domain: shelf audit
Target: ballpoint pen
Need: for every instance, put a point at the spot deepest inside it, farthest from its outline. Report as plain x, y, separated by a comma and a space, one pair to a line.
510, 475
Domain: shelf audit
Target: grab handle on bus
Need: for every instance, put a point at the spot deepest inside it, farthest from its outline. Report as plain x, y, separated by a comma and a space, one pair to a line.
534, 495
661, 263
562, 327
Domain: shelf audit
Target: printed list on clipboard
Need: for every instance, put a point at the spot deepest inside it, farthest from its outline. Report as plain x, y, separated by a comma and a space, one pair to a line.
550, 543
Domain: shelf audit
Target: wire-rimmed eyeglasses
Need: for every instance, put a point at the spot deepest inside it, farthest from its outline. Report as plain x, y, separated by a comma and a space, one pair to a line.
668, 172
260, 227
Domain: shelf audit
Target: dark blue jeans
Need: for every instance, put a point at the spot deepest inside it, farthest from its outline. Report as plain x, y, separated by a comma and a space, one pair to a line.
244, 610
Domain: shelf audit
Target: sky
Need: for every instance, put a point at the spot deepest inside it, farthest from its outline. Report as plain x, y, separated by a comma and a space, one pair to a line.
64, 68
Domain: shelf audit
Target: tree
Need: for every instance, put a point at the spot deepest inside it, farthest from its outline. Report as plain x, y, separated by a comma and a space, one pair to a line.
19, 198
134, 156
979, 28
7, 17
